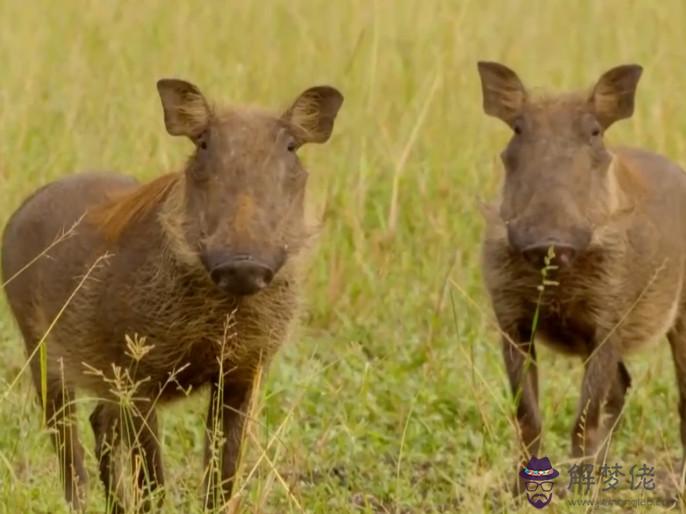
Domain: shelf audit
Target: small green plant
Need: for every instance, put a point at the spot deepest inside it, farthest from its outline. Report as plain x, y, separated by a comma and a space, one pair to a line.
546, 282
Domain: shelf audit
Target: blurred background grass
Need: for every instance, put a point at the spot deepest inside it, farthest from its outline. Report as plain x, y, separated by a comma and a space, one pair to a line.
392, 397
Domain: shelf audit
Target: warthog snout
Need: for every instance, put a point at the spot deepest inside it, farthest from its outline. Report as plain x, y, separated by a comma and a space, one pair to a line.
534, 248
535, 254
240, 275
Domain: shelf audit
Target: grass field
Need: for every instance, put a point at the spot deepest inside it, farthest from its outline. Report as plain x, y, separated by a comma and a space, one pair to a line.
392, 396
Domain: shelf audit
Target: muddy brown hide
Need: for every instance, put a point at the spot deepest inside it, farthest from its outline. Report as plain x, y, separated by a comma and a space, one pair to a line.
204, 264
616, 220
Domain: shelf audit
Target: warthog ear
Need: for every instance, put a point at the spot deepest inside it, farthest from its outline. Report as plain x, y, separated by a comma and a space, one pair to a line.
503, 92
186, 112
313, 113
613, 95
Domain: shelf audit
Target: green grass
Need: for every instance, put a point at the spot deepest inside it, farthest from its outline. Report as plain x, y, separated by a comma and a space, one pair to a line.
392, 396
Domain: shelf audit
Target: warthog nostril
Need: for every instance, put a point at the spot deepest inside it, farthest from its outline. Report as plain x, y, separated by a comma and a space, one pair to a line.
242, 276
536, 254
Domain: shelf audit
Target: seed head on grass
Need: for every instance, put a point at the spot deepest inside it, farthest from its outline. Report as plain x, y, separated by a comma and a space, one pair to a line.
136, 347
547, 268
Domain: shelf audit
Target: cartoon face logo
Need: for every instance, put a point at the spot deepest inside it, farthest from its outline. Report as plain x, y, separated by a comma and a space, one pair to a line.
538, 476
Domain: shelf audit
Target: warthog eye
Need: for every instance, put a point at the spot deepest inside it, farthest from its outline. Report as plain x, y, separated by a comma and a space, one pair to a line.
517, 127
201, 141
292, 146
595, 132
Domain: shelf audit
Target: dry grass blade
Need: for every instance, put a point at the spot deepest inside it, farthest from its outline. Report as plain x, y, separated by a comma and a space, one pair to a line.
405, 154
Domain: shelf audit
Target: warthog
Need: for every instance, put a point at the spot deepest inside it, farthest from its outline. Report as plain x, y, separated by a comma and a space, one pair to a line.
203, 264
615, 221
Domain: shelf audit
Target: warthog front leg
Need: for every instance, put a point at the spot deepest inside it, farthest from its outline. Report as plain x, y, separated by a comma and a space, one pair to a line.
616, 398
605, 379
106, 427
110, 424
520, 362
146, 454
223, 439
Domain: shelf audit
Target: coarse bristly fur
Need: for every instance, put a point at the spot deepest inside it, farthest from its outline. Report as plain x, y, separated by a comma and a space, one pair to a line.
141, 313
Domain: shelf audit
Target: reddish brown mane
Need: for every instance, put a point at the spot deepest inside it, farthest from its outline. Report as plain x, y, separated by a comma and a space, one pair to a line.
123, 209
